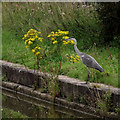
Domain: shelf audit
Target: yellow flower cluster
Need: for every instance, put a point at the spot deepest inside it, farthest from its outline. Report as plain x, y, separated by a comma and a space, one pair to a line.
58, 33
67, 42
62, 34
36, 52
55, 41
74, 58
31, 36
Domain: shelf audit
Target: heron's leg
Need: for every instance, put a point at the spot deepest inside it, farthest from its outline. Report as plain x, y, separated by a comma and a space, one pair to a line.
88, 75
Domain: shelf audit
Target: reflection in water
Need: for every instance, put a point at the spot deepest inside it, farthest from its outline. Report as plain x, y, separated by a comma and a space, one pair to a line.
36, 108
32, 110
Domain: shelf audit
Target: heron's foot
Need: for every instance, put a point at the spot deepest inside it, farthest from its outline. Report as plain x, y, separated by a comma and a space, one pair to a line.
87, 80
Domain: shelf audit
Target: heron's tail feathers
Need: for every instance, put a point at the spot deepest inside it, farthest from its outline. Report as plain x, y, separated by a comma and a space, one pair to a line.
100, 69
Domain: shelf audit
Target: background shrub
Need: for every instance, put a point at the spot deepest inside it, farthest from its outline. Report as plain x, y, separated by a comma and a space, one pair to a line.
109, 14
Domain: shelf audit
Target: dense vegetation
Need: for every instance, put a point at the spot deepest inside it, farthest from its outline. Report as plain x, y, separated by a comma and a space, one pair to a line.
109, 14
83, 23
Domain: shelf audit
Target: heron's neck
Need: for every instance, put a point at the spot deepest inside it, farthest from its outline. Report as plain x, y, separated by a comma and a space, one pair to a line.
77, 50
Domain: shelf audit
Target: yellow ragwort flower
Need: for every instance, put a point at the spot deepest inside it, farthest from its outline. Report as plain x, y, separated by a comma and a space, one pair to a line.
71, 57
49, 35
37, 53
40, 39
27, 46
65, 37
39, 32
52, 38
23, 38
31, 29
52, 32
54, 42
33, 39
40, 57
65, 42
33, 50
71, 60
75, 60
29, 42
39, 48
36, 48
26, 35
31, 34
77, 56
36, 36
72, 42
26, 42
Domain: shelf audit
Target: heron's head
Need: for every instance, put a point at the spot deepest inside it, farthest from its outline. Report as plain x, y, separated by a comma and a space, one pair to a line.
70, 38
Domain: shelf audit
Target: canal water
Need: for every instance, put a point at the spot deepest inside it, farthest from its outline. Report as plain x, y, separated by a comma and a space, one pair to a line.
37, 108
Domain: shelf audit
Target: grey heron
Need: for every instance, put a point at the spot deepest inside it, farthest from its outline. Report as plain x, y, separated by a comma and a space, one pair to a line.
88, 60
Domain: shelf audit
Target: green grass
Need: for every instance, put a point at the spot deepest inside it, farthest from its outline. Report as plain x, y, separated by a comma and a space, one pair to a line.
8, 113
13, 50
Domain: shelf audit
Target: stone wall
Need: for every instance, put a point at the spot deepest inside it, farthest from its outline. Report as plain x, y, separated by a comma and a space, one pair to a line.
74, 90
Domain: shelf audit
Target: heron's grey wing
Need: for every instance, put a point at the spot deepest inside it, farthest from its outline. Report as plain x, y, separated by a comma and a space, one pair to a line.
90, 62
87, 60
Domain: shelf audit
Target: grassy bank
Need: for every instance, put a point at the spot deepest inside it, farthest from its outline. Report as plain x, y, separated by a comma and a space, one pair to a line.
8, 113
14, 50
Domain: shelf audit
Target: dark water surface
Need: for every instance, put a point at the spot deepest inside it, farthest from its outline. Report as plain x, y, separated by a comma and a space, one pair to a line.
37, 108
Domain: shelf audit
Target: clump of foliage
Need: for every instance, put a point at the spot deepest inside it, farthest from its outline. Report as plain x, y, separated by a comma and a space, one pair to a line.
109, 14
33, 42
56, 40
32, 39
105, 104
